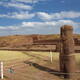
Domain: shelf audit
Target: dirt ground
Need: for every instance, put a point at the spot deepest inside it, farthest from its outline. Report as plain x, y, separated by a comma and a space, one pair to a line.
36, 67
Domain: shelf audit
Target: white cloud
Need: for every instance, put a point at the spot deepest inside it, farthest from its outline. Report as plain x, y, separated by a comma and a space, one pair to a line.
52, 24
9, 28
29, 1
39, 24
44, 16
38, 27
20, 4
61, 15
28, 24
21, 15
17, 5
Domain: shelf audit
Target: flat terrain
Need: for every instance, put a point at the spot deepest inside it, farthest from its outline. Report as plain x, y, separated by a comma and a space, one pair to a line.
32, 65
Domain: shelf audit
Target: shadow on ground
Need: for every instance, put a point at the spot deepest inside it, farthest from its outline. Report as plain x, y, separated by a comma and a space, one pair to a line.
42, 68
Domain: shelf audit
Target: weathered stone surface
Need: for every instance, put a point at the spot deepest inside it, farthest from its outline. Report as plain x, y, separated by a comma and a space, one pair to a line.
67, 58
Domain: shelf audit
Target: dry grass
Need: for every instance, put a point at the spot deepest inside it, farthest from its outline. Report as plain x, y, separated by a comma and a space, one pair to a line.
12, 55
31, 65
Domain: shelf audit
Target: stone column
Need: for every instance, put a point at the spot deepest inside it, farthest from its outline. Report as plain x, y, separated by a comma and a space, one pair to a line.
67, 58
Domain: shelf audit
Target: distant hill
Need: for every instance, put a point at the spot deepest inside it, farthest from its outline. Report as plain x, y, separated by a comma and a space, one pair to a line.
17, 41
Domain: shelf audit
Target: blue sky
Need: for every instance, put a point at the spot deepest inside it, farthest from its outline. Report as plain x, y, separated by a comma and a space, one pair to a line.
38, 16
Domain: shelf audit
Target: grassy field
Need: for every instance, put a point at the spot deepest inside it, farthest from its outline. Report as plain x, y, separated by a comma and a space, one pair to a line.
31, 65
12, 55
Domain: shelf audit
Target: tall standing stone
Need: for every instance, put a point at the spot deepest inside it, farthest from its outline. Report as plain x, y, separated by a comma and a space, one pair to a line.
67, 58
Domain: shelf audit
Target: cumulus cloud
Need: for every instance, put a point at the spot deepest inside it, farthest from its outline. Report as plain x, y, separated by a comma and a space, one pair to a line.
21, 15
54, 24
40, 27
61, 15
20, 4
16, 5
44, 16
38, 24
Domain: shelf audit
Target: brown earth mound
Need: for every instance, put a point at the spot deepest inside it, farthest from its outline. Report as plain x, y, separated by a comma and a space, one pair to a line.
26, 41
